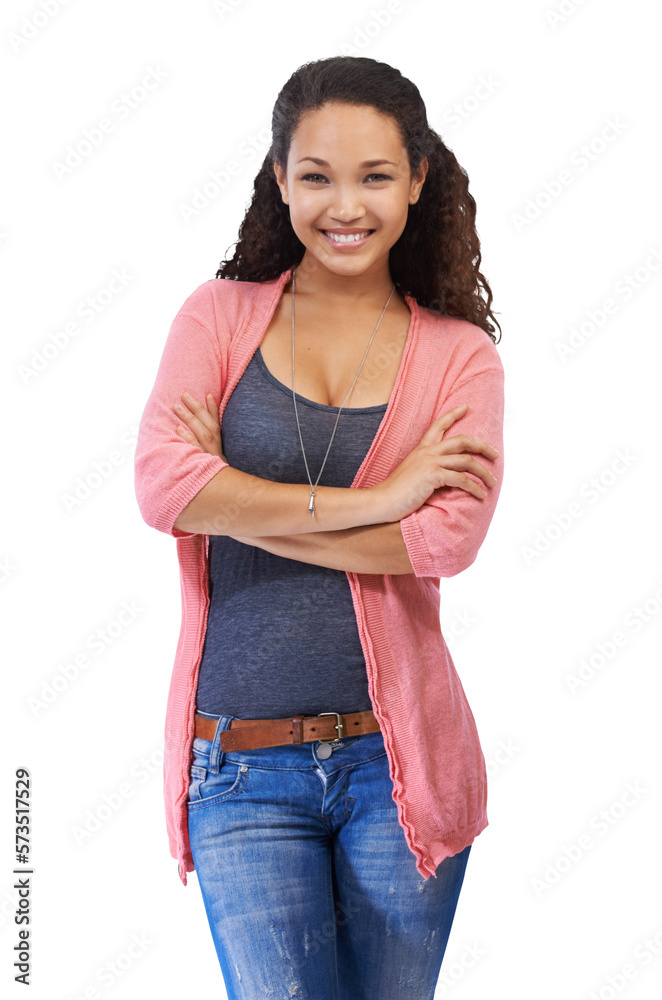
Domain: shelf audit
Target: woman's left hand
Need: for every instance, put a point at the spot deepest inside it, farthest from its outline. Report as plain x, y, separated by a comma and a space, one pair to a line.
201, 424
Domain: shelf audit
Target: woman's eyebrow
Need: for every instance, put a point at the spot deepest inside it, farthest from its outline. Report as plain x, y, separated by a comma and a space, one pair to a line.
366, 163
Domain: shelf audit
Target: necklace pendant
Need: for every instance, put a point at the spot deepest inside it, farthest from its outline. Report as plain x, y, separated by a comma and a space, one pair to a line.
311, 505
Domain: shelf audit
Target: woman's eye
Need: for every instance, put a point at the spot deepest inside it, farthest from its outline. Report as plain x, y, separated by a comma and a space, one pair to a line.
309, 177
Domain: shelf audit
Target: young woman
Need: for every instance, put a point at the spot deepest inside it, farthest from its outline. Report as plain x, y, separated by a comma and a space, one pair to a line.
323, 772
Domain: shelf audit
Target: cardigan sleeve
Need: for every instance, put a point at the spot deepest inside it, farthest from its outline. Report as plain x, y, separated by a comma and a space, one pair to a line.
444, 534
169, 472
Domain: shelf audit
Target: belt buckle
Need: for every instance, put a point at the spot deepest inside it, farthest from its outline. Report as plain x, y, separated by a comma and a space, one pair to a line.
339, 727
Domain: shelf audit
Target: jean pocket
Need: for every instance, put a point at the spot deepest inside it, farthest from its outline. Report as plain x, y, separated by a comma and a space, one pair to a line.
197, 775
207, 789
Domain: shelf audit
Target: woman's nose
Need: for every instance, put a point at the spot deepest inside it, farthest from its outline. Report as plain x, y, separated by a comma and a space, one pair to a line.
347, 206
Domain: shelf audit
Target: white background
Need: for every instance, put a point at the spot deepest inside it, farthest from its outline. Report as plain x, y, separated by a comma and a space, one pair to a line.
515, 90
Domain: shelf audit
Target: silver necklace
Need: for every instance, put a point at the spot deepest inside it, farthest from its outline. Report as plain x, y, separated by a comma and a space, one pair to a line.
311, 505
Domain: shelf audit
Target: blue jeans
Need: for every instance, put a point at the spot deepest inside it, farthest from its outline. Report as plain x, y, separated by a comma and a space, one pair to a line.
309, 886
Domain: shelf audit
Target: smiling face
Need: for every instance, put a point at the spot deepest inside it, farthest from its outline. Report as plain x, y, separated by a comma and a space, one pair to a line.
349, 187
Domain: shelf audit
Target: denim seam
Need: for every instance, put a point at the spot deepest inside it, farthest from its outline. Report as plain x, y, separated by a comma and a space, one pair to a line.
308, 767
221, 796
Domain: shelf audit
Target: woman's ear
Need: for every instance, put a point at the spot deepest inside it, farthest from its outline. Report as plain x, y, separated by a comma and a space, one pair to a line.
418, 181
281, 180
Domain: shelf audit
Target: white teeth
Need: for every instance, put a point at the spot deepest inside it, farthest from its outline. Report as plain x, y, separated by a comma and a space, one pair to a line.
344, 238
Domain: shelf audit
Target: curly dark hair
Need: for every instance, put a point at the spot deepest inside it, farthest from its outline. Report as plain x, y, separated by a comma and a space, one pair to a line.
437, 257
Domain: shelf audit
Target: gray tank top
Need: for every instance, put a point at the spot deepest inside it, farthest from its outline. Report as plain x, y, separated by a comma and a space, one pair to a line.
282, 637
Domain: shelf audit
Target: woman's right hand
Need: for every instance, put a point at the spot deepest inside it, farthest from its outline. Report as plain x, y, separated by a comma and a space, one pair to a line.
433, 463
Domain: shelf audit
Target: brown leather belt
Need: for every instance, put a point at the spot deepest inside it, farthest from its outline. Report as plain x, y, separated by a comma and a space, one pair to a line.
249, 734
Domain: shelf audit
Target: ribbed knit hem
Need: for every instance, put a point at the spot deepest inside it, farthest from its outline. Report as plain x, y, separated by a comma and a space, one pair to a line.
189, 487
417, 549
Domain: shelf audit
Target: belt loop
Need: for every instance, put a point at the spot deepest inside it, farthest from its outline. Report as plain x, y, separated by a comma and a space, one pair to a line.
297, 730
216, 755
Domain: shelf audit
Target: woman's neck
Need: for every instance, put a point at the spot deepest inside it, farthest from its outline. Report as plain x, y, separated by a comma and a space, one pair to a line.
339, 291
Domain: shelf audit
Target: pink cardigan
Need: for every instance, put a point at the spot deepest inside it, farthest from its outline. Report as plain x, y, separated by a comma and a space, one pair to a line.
435, 758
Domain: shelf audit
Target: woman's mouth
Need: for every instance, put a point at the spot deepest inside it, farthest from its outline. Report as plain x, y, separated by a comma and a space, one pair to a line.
346, 241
